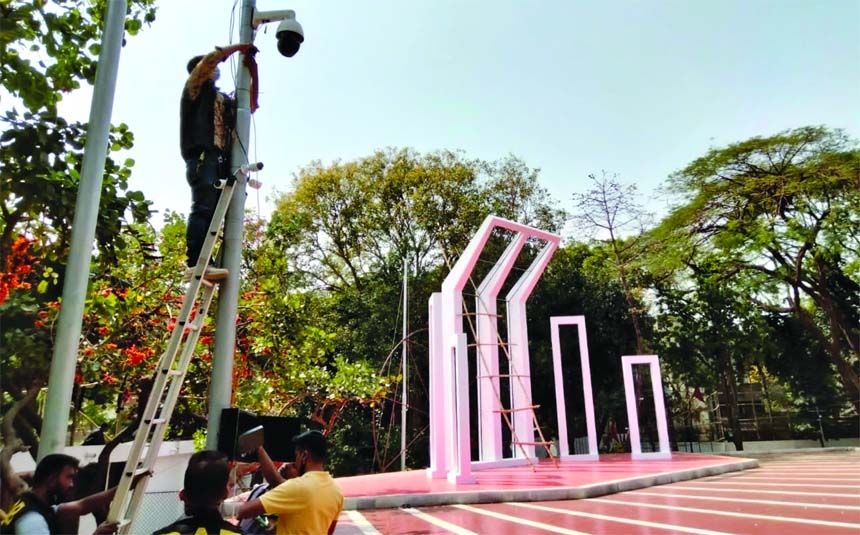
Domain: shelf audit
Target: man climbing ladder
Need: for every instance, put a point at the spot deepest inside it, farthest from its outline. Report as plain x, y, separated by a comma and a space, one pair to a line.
207, 121
207, 118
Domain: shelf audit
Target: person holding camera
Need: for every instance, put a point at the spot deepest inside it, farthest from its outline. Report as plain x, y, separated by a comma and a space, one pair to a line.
304, 495
207, 118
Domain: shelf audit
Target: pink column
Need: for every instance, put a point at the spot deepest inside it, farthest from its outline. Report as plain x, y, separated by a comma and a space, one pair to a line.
630, 394
489, 419
521, 390
438, 464
587, 395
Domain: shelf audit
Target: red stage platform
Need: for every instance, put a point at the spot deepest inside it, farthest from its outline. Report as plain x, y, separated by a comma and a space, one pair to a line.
544, 481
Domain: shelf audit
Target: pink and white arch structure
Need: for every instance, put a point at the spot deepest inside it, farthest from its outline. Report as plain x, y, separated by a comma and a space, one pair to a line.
450, 444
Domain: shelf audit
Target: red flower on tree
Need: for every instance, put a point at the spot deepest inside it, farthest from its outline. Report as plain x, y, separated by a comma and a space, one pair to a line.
19, 263
134, 356
109, 379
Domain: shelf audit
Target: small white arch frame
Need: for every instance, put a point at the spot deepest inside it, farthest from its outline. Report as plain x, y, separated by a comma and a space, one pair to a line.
652, 361
588, 397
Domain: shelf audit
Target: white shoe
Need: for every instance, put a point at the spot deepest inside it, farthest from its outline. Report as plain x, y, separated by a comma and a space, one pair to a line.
211, 274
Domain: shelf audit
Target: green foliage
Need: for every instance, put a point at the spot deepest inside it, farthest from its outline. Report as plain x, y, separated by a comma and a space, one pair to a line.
46, 50
342, 222
780, 216
48, 47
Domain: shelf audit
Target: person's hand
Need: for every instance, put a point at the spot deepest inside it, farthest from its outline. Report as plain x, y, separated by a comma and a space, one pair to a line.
288, 470
251, 50
106, 528
243, 469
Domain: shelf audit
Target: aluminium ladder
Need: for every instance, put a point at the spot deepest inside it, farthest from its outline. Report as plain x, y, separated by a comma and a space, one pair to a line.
171, 370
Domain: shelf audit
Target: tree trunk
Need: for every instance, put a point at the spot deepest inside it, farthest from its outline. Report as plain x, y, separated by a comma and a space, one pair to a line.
848, 376
730, 387
28, 423
12, 483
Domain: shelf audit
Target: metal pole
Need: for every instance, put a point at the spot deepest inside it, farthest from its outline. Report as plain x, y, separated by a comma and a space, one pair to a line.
820, 427
62, 374
403, 406
221, 387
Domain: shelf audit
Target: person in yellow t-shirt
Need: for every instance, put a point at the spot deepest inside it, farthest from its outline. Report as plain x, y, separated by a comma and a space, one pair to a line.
305, 496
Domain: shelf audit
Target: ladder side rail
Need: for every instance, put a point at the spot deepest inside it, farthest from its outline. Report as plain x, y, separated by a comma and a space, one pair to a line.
169, 404
147, 427
169, 401
212, 232
144, 428
118, 503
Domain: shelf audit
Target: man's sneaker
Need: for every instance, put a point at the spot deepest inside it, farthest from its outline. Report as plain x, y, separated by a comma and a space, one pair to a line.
211, 274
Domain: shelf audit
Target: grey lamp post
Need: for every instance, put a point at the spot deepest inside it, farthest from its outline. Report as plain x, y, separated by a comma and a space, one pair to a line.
65, 356
290, 36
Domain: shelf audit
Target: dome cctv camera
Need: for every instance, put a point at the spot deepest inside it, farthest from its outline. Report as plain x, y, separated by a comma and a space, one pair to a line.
290, 36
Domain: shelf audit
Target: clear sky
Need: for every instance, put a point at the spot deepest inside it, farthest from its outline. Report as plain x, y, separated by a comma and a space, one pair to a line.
570, 86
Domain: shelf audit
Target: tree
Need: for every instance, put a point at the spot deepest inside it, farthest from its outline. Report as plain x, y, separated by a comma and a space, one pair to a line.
709, 334
345, 220
340, 237
46, 50
784, 213
48, 47
611, 210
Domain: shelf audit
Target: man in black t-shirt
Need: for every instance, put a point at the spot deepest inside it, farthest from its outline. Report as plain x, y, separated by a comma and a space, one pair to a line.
207, 118
44, 509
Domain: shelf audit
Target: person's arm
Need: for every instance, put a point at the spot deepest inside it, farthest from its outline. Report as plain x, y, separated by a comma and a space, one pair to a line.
251, 509
272, 475
106, 528
203, 71
94, 502
88, 504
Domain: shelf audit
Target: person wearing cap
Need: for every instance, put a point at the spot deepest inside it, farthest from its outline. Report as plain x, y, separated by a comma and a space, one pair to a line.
305, 496
207, 118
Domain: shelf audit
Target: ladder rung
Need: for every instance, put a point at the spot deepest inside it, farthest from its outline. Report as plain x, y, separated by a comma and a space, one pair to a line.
481, 314
139, 471
169, 372
203, 281
518, 409
189, 325
509, 375
155, 421
501, 344
531, 443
